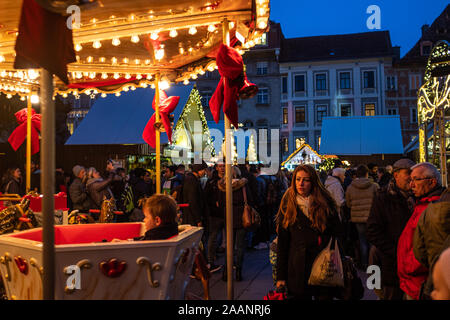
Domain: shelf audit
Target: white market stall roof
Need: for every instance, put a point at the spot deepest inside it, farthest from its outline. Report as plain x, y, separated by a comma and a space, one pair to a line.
303, 155
361, 135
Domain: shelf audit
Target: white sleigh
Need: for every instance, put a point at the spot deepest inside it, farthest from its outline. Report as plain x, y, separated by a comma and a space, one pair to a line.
121, 270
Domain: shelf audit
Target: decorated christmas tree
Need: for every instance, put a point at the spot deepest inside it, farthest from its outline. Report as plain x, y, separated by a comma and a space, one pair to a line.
251, 152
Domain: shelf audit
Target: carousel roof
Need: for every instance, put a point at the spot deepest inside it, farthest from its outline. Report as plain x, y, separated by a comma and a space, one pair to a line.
125, 43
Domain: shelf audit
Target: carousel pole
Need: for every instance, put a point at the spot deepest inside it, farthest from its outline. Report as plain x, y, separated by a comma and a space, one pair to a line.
28, 164
48, 182
229, 191
158, 136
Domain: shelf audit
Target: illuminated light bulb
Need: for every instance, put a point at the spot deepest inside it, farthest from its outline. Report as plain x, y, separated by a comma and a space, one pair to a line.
125, 89
133, 88
152, 86
33, 74
117, 94
251, 43
127, 76
144, 85
3, 74
186, 82
87, 92
131, 17
2, 58
94, 20
9, 96
79, 75
102, 59
201, 72
115, 41
90, 59
190, 49
113, 60
135, 39
216, 67
78, 47
194, 76
92, 75
211, 28
154, 36
34, 99
231, 25
137, 61
116, 76
78, 58
86, 74
159, 54
173, 33
139, 76
262, 25
181, 50
64, 95
262, 11
125, 60
10, 74
97, 44
164, 85
149, 76
147, 61
192, 30
103, 95
104, 75
22, 98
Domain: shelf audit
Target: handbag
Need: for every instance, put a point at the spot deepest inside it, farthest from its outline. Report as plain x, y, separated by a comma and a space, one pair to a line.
250, 217
327, 268
353, 289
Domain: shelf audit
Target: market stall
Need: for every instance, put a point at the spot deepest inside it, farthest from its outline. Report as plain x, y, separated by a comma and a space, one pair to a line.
113, 46
303, 155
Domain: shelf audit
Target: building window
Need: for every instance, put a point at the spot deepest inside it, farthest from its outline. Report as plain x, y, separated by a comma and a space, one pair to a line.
321, 81
300, 114
285, 143
261, 68
346, 110
263, 96
321, 112
299, 83
299, 141
415, 81
318, 142
391, 83
413, 115
284, 88
344, 80
285, 116
392, 111
263, 40
205, 98
369, 109
369, 79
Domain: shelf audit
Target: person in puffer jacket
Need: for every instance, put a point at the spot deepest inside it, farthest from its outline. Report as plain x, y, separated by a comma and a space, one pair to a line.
359, 197
334, 186
426, 186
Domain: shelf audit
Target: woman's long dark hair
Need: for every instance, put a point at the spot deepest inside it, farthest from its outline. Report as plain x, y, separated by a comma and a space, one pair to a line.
322, 203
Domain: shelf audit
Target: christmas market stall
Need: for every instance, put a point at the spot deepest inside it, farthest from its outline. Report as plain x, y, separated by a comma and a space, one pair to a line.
109, 47
303, 155
433, 107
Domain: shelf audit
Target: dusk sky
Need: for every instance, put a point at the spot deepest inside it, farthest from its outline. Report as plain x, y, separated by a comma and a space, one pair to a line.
403, 18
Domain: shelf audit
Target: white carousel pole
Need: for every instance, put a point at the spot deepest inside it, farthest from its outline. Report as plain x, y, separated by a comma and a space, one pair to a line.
229, 191
48, 182
158, 136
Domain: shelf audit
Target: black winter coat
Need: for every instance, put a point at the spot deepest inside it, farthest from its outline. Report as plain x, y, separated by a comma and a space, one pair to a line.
388, 216
193, 195
212, 195
298, 246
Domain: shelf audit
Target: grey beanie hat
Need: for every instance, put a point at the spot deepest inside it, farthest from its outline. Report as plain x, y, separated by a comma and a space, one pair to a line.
77, 169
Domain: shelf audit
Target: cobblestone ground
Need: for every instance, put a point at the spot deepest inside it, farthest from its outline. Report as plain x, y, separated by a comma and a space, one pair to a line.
256, 283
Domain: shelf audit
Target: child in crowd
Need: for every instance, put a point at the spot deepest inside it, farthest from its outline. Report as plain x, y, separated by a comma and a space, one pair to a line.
441, 277
160, 213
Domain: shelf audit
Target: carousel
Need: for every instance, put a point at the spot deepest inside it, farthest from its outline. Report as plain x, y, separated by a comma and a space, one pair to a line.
433, 107
76, 47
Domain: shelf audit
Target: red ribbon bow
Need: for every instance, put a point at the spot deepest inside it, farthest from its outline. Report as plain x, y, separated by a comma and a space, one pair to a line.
231, 67
166, 106
20, 133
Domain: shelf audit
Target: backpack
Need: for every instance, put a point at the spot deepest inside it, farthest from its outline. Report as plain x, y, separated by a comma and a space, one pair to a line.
128, 199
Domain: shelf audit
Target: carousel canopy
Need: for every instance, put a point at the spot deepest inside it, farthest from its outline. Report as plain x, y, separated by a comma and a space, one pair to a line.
116, 43
361, 135
121, 120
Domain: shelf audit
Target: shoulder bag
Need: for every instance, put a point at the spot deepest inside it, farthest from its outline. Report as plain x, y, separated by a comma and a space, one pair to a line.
250, 217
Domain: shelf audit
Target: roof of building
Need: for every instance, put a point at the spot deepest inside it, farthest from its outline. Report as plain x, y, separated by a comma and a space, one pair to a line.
121, 120
337, 47
361, 135
439, 30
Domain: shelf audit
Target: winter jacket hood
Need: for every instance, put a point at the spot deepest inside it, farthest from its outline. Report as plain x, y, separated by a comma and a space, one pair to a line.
236, 184
362, 183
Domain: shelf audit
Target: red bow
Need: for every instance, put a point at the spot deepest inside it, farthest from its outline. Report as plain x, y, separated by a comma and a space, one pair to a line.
166, 106
20, 133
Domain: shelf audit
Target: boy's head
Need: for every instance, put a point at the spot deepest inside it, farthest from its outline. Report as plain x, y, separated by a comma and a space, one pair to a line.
159, 210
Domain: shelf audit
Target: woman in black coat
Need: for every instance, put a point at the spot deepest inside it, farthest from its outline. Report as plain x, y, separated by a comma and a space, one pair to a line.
306, 220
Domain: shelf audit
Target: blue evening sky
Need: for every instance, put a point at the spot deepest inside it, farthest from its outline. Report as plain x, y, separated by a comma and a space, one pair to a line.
403, 18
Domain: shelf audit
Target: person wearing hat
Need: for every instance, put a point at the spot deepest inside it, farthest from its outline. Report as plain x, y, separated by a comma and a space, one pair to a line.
391, 209
195, 213
77, 190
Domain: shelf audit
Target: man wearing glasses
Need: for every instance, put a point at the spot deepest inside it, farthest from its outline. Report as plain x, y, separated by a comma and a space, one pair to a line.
391, 209
427, 187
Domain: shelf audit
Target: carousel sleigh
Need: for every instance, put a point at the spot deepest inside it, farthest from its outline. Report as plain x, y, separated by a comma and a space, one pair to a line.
91, 267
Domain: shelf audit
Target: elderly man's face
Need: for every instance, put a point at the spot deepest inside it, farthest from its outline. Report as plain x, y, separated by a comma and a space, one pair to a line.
421, 184
403, 179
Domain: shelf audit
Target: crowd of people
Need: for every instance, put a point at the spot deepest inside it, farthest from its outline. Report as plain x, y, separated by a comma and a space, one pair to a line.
396, 217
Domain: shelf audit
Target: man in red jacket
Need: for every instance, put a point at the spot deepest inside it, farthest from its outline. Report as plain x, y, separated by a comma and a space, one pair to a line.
427, 187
